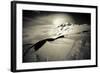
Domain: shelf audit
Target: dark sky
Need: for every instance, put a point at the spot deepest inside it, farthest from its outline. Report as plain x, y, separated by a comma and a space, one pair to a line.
79, 18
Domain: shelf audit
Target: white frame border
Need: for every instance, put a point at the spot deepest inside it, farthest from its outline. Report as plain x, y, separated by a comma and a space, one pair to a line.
21, 66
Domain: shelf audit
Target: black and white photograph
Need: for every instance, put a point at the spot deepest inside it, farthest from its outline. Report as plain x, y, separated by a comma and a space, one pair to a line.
56, 36
48, 36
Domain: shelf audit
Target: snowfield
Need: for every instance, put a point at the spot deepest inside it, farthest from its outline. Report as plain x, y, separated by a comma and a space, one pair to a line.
74, 46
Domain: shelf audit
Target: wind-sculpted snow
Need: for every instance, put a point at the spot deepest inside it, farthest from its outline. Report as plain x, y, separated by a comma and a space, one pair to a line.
75, 45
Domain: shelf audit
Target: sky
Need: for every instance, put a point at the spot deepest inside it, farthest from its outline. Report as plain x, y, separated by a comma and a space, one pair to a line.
38, 25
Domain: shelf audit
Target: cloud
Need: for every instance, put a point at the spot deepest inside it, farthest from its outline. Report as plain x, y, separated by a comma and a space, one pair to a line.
45, 26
